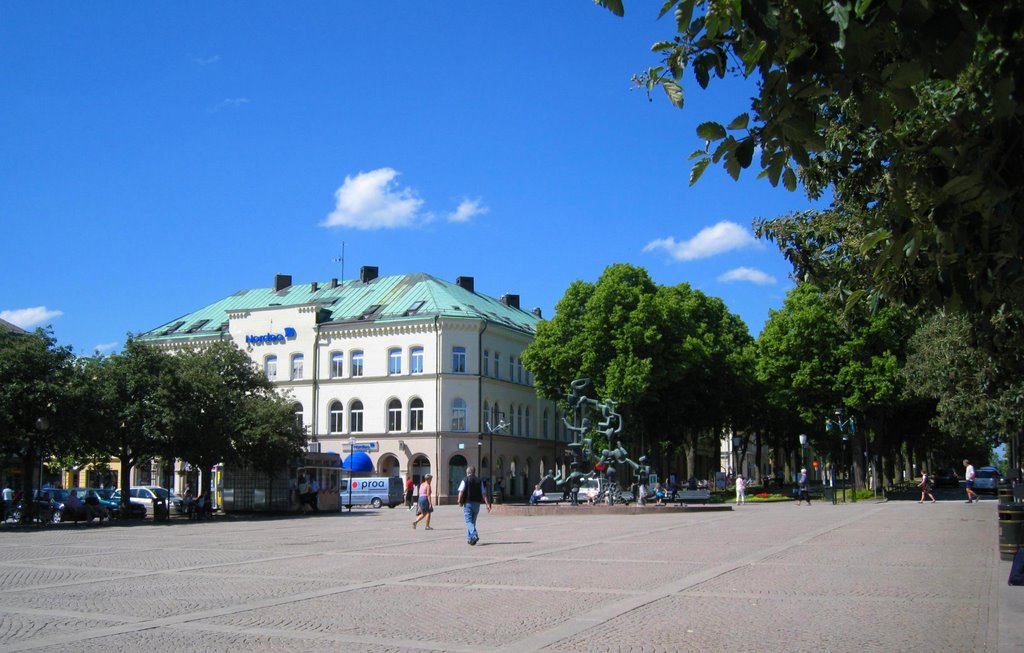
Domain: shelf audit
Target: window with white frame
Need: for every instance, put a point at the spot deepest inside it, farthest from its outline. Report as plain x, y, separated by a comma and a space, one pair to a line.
337, 365
529, 430
394, 416
458, 360
394, 361
356, 367
297, 361
519, 419
355, 417
297, 414
270, 367
495, 415
497, 365
519, 371
416, 360
511, 368
486, 412
336, 417
486, 371
458, 414
416, 415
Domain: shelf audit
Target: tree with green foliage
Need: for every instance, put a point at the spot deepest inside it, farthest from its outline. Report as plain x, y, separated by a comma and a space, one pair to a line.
35, 372
222, 409
127, 417
908, 111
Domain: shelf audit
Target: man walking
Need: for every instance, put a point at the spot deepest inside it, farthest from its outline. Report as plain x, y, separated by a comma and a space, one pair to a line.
471, 495
803, 487
972, 496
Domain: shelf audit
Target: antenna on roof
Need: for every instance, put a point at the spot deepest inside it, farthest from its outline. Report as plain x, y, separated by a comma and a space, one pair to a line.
341, 259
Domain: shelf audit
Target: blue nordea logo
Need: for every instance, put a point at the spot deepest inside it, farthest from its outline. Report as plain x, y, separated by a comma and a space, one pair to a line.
289, 332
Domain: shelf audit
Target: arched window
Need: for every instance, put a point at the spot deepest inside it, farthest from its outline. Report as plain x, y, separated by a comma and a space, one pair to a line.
355, 417
336, 417
337, 365
394, 416
270, 368
297, 413
416, 414
297, 363
495, 416
458, 414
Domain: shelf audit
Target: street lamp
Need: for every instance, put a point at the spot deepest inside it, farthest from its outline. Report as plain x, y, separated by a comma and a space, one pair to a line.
803, 446
351, 465
843, 425
736, 442
480, 454
501, 425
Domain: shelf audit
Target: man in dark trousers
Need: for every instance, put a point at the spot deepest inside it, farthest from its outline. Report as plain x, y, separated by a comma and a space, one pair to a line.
471, 495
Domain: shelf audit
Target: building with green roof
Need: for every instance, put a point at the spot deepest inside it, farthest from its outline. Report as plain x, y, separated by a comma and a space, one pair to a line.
415, 370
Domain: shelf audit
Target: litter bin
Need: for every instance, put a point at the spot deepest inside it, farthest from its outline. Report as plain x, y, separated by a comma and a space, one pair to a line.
1011, 529
160, 510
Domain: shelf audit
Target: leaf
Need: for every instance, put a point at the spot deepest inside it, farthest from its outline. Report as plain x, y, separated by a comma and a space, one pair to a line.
614, 6
873, 239
789, 179
740, 121
698, 170
684, 13
745, 152
753, 56
674, 92
711, 131
861, 8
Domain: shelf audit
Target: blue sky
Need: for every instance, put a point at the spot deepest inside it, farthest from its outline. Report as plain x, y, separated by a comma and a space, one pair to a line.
160, 156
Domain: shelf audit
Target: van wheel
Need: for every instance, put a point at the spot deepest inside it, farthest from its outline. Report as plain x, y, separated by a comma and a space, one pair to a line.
376, 503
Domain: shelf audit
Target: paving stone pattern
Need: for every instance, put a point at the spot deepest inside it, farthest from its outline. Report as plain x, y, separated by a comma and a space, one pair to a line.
894, 576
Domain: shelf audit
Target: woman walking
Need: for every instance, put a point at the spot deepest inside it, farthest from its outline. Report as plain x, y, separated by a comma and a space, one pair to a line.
426, 505
926, 486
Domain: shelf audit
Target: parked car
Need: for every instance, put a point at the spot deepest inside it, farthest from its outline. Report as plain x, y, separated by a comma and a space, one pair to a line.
145, 494
135, 510
985, 480
947, 478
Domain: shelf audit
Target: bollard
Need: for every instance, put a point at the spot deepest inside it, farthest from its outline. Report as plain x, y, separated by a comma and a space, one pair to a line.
1011, 529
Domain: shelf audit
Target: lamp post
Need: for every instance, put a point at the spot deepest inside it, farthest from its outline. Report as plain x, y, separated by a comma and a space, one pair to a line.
803, 446
737, 441
843, 425
480, 454
351, 461
500, 425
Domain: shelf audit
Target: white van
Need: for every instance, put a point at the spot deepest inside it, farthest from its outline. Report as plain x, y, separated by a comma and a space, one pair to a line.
375, 491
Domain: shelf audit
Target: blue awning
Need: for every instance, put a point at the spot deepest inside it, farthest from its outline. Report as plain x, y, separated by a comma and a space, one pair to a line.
357, 462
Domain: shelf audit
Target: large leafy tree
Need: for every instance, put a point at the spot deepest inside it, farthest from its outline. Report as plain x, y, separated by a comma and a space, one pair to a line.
908, 110
33, 420
223, 409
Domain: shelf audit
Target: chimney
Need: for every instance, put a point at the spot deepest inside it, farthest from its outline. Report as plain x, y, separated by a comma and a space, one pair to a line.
313, 287
536, 312
282, 281
367, 273
512, 301
334, 283
466, 283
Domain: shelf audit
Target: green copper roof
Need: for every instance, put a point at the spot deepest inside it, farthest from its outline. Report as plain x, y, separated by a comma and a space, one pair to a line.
384, 299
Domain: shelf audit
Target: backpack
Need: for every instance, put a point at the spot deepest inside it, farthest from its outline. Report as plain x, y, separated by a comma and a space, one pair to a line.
1017, 568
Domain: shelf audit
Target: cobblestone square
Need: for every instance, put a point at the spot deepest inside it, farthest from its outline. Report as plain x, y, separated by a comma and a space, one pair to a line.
773, 577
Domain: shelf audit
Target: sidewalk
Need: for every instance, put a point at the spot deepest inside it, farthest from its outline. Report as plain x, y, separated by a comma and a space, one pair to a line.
774, 577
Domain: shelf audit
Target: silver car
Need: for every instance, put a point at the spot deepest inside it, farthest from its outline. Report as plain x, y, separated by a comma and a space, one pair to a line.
985, 480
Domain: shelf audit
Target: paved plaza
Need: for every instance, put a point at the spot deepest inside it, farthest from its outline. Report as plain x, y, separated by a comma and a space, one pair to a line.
894, 576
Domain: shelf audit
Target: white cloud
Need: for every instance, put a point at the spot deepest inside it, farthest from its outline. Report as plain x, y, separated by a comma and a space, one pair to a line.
105, 347
748, 274
710, 241
372, 200
204, 61
467, 210
229, 103
26, 318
